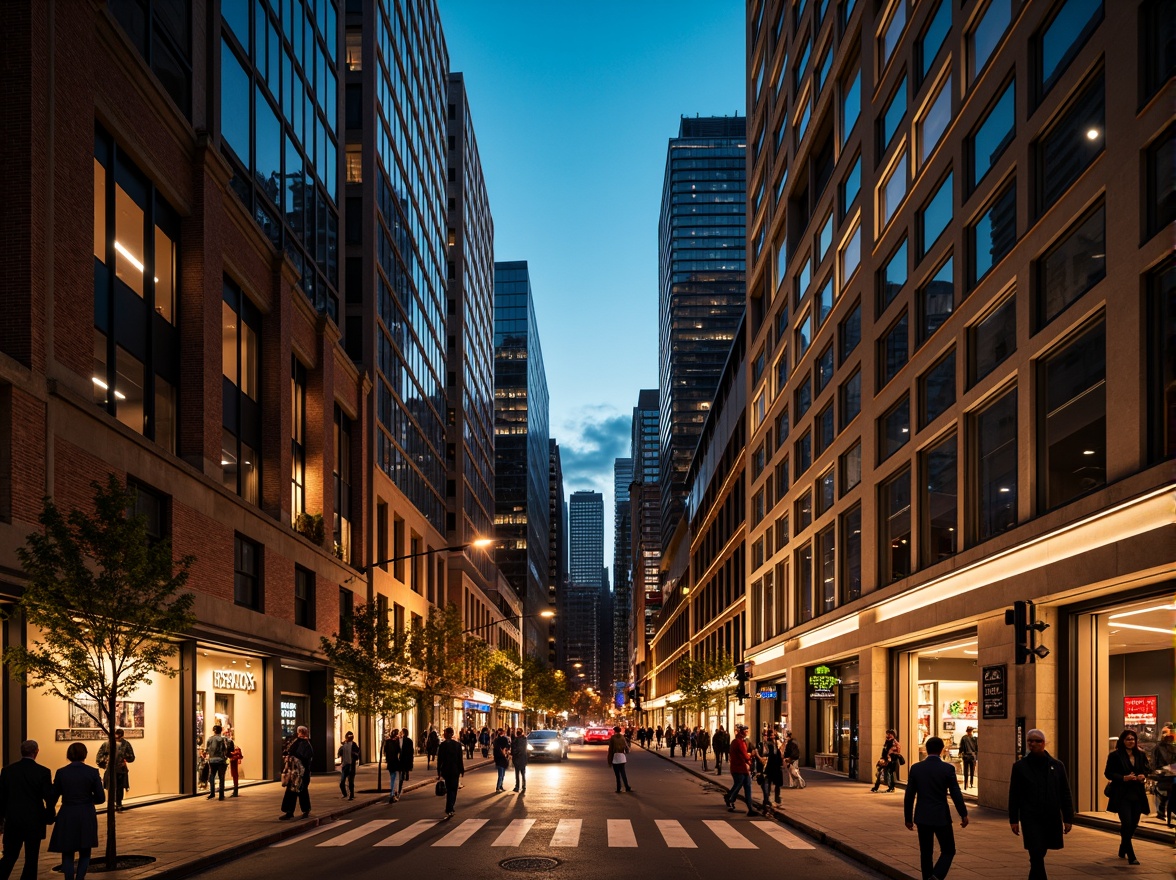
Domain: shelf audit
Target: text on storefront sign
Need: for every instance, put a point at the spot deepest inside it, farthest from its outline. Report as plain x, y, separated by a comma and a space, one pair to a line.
233, 681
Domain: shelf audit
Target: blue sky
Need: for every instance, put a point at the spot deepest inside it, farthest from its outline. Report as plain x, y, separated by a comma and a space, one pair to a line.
573, 104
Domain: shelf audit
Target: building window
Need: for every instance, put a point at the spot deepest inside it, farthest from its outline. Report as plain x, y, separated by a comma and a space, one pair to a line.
354, 50
891, 31
354, 156
850, 332
892, 276
993, 339
342, 479
936, 300
851, 185
823, 303
851, 104
782, 321
932, 39
983, 38
1062, 37
247, 573
1161, 182
346, 612
804, 335
895, 527
850, 397
937, 390
1161, 341
782, 371
782, 536
827, 560
825, 430
154, 507
851, 549
781, 258
891, 119
893, 351
1074, 141
1158, 35
825, 237
995, 445
851, 468
824, 368
935, 215
240, 362
781, 478
161, 32
804, 583
1073, 446
803, 279
1072, 266
303, 597
803, 453
895, 428
297, 438
781, 428
851, 251
893, 189
988, 141
825, 492
995, 233
939, 512
803, 396
933, 123
804, 511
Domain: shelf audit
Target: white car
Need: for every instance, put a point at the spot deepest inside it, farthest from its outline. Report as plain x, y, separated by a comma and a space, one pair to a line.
546, 744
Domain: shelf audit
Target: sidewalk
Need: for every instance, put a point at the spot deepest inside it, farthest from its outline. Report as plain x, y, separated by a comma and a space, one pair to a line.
869, 828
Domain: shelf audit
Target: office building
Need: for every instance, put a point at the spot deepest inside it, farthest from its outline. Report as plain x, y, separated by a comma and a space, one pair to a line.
585, 584
557, 564
622, 567
645, 523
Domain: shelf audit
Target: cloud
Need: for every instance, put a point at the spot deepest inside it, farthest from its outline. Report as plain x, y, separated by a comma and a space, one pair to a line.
588, 444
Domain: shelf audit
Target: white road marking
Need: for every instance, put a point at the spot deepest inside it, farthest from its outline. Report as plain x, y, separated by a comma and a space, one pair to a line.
400, 838
728, 835
514, 833
334, 826
567, 832
620, 833
675, 835
787, 838
356, 833
461, 833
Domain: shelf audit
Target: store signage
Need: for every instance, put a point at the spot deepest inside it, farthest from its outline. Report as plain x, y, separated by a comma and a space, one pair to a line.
766, 693
821, 684
995, 698
1140, 710
469, 705
229, 680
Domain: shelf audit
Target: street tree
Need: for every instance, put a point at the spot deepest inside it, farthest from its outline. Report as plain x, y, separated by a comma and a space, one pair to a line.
701, 680
502, 677
443, 657
544, 689
372, 675
107, 603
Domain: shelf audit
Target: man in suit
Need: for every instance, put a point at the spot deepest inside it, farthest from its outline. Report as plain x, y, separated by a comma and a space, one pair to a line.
930, 782
26, 807
451, 768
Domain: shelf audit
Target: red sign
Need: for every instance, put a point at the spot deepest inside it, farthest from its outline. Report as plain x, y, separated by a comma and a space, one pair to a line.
1139, 710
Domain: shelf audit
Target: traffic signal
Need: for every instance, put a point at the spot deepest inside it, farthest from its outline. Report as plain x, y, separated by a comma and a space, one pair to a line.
741, 677
1023, 619
635, 696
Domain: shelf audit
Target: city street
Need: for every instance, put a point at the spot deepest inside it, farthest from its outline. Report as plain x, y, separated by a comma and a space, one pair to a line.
672, 825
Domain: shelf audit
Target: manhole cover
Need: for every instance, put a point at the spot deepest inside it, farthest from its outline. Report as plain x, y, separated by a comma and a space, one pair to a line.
529, 865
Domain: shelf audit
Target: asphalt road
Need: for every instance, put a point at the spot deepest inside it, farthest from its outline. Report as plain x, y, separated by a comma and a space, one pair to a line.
673, 826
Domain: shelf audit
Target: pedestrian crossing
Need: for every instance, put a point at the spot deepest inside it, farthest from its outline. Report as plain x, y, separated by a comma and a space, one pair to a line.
566, 833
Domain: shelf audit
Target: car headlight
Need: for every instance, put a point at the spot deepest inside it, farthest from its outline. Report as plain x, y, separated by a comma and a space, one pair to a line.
530, 748
553, 747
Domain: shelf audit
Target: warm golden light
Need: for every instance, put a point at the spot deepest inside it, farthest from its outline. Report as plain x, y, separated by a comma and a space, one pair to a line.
481, 542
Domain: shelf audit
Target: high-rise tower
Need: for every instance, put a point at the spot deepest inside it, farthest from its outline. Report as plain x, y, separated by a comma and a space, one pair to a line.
622, 566
585, 583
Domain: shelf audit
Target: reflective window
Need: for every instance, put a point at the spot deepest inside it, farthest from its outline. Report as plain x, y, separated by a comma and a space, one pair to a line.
933, 37
1073, 447
806, 114
892, 117
1161, 182
933, 123
782, 372
851, 253
850, 332
804, 511
895, 428
234, 105
824, 368
803, 279
851, 548
851, 185
1062, 37
803, 453
804, 583
891, 33
823, 68
937, 389
825, 238
936, 300
1072, 266
1158, 28
781, 258
851, 105
129, 391
993, 339
895, 527
995, 467
893, 351
1161, 351
935, 216
824, 301
1071, 144
826, 431
850, 398
803, 396
992, 135
825, 492
940, 513
851, 468
827, 562
983, 38
893, 190
804, 335
892, 276
995, 233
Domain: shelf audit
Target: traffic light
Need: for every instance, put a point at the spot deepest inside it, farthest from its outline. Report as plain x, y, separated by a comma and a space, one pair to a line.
635, 696
1023, 619
741, 677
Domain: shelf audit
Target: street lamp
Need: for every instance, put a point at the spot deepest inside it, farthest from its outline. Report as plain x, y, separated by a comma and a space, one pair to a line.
452, 548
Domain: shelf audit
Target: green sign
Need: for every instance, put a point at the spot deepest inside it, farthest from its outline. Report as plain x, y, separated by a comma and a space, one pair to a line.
821, 683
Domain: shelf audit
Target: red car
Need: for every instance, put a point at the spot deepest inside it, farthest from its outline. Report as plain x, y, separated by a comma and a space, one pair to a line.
597, 735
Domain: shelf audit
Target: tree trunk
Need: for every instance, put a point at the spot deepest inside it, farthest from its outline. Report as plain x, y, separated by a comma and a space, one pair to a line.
111, 788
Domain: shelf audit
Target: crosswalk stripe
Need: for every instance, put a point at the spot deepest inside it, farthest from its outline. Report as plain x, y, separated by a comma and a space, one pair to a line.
333, 826
728, 835
620, 833
787, 838
675, 835
461, 833
400, 838
514, 833
356, 833
567, 832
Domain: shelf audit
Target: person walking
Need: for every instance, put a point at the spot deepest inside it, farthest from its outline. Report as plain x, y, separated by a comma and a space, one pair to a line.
888, 761
392, 762
117, 777
299, 756
739, 760
484, 741
432, 744
1041, 808
501, 758
703, 742
618, 757
518, 757
683, 739
235, 758
407, 757
80, 788
721, 743
671, 739
792, 762
658, 732
773, 758
969, 749
1127, 768
450, 768
348, 763
1163, 761
925, 804
27, 806
216, 752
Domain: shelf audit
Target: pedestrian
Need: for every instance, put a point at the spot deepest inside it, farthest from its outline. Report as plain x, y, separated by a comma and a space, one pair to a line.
925, 805
658, 732
792, 762
27, 802
1127, 768
484, 741
407, 757
1041, 808
391, 752
1164, 763
75, 830
216, 752
471, 742
886, 770
683, 739
618, 757
432, 744
117, 777
518, 757
703, 741
236, 756
348, 762
739, 760
694, 742
671, 739
501, 758
296, 775
450, 768
721, 743
969, 749
773, 758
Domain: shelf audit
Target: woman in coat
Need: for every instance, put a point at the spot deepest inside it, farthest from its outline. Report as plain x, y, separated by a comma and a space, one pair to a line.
1127, 768
484, 741
432, 743
406, 758
773, 758
79, 787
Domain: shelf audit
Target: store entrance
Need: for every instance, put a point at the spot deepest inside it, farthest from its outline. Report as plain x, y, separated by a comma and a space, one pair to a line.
942, 692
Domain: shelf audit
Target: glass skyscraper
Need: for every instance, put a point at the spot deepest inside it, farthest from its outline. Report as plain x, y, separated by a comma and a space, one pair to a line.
701, 262
622, 565
586, 584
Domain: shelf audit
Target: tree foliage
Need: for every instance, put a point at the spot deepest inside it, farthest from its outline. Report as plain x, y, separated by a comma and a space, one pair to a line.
544, 689
107, 602
443, 657
502, 676
702, 680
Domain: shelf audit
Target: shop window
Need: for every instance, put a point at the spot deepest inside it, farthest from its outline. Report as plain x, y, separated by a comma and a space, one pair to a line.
827, 562
851, 251
895, 526
1071, 144
851, 185
892, 276
891, 31
1072, 266
893, 189
933, 123
935, 215
240, 361
1158, 56
247, 590
341, 532
984, 37
804, 583
850, 398
1161, 342
824, 371
851, 468
1161, 181
303, 597
803, 396
851, 104
992, 340
894, 429
994, 234
988, 141
851, 554
804, 511
936, 300
995, 467
931, 41
850, 332
937, 389
939, 506
297, 438
893, 351
1073, 446
1061, 38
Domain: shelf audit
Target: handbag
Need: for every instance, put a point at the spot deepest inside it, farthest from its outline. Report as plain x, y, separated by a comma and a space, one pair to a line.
440, 789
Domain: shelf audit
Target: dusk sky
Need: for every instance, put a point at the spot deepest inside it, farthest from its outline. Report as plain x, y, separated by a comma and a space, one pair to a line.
573, 105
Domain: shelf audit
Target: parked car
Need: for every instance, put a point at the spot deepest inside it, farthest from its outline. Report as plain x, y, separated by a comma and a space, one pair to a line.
574, 735
546, 744
597, 735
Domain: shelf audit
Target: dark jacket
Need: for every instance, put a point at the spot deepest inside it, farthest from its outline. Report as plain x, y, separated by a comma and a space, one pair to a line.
792, 750
518, 751
931, 781
304, 752
617, 744
80, 787
26, 798
406, 754
721, 742
392, 753
449, 761
501, 752
1040, 799
969, 748
769, 750
1120, 765
432, 743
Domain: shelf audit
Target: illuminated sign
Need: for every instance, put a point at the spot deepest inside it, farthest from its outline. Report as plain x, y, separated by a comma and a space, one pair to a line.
766, 693
995, 699
228, 680
821, 683
1140, 710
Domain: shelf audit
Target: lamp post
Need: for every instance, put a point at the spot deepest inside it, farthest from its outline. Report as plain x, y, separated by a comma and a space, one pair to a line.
477, 542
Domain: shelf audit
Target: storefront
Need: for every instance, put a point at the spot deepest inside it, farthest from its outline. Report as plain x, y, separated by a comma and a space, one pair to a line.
833, 716
771, 701
230, 692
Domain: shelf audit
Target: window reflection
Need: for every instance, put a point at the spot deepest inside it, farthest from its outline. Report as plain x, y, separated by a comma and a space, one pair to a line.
99, 211
128, 391
128, 241
165, 276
